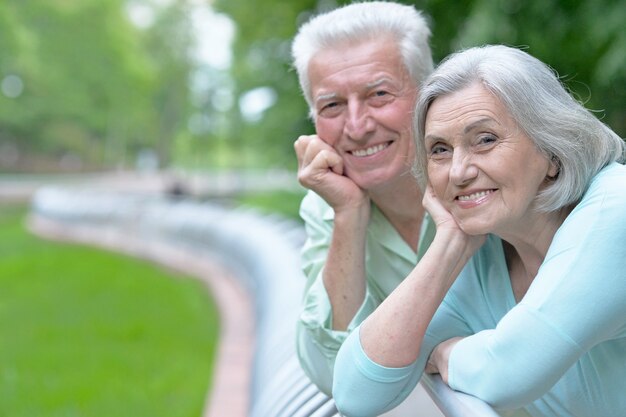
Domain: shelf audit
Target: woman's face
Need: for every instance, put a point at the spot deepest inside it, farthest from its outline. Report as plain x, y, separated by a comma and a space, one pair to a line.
482, 166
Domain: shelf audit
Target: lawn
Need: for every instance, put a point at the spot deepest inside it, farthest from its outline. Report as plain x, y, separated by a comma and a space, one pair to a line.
85, 332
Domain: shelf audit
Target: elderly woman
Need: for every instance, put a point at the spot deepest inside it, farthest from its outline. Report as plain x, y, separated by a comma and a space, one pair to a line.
521, 298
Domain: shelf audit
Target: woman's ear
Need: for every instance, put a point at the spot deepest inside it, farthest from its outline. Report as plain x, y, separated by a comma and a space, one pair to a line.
555, 167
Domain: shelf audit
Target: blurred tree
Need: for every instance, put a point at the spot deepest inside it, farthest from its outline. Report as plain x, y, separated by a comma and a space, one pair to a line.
262, 59
169, 43
82, 83
583, 40
85, 79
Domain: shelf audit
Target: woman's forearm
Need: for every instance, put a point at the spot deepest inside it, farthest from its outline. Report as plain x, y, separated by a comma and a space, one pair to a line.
393, 334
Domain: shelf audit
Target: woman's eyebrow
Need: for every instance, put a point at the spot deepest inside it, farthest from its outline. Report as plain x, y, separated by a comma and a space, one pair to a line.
433, 138
477, 123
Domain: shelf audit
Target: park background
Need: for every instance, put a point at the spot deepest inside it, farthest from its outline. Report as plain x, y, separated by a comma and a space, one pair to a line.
207, 85
184, 89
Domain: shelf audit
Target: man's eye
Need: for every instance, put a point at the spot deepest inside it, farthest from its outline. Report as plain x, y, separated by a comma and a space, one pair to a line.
332, 108
381, 95
380, 98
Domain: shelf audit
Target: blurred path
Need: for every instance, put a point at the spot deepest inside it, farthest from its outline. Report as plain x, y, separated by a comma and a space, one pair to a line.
19, 187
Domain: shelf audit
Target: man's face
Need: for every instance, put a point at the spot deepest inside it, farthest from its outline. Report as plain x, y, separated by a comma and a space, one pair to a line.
363, 99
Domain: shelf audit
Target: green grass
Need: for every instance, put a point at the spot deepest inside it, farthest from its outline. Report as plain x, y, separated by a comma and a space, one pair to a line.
89, 333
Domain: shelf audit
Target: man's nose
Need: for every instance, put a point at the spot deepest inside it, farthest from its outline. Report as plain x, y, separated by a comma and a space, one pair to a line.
358, 121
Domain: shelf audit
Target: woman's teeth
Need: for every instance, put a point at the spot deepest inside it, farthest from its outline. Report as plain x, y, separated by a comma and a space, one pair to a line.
474, 196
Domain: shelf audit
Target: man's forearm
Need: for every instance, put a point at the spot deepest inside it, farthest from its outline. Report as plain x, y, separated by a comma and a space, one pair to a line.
344, 272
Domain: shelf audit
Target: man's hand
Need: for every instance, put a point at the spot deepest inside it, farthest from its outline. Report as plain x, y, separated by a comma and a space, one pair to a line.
321, 169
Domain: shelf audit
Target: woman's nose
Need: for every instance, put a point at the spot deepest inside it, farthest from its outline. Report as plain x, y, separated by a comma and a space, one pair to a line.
462, 170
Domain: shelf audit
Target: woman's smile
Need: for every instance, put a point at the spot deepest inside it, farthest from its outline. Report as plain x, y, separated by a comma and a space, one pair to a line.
475, 198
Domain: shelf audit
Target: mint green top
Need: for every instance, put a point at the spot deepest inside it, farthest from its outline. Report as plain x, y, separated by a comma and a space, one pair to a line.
388, 260
559, 352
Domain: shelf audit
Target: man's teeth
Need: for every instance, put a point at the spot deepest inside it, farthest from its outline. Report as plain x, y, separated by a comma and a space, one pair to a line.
474, 196
369, 151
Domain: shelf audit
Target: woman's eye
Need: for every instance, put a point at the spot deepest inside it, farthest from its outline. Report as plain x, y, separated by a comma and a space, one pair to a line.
486, 139
438, 149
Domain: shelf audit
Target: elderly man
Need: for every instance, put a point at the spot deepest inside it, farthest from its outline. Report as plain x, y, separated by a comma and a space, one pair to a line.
359, 68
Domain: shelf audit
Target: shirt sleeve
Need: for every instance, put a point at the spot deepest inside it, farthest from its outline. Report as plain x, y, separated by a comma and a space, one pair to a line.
363, 388
317, 343
575, 302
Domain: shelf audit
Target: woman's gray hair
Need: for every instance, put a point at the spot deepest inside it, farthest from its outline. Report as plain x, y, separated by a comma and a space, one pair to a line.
359, 22
560, 127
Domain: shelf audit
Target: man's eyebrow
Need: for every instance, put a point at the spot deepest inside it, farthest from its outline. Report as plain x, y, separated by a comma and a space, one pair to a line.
373, 84
323, 97
377, 82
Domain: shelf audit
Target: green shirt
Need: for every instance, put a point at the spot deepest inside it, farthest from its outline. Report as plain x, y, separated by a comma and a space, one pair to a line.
388, 260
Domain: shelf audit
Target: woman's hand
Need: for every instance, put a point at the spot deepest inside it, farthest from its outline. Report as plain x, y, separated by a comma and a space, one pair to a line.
444, 221
438, 360
437, 211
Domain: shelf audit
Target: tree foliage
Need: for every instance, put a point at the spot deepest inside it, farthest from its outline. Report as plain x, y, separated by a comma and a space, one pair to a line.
91, 85
583, 40
80, 82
